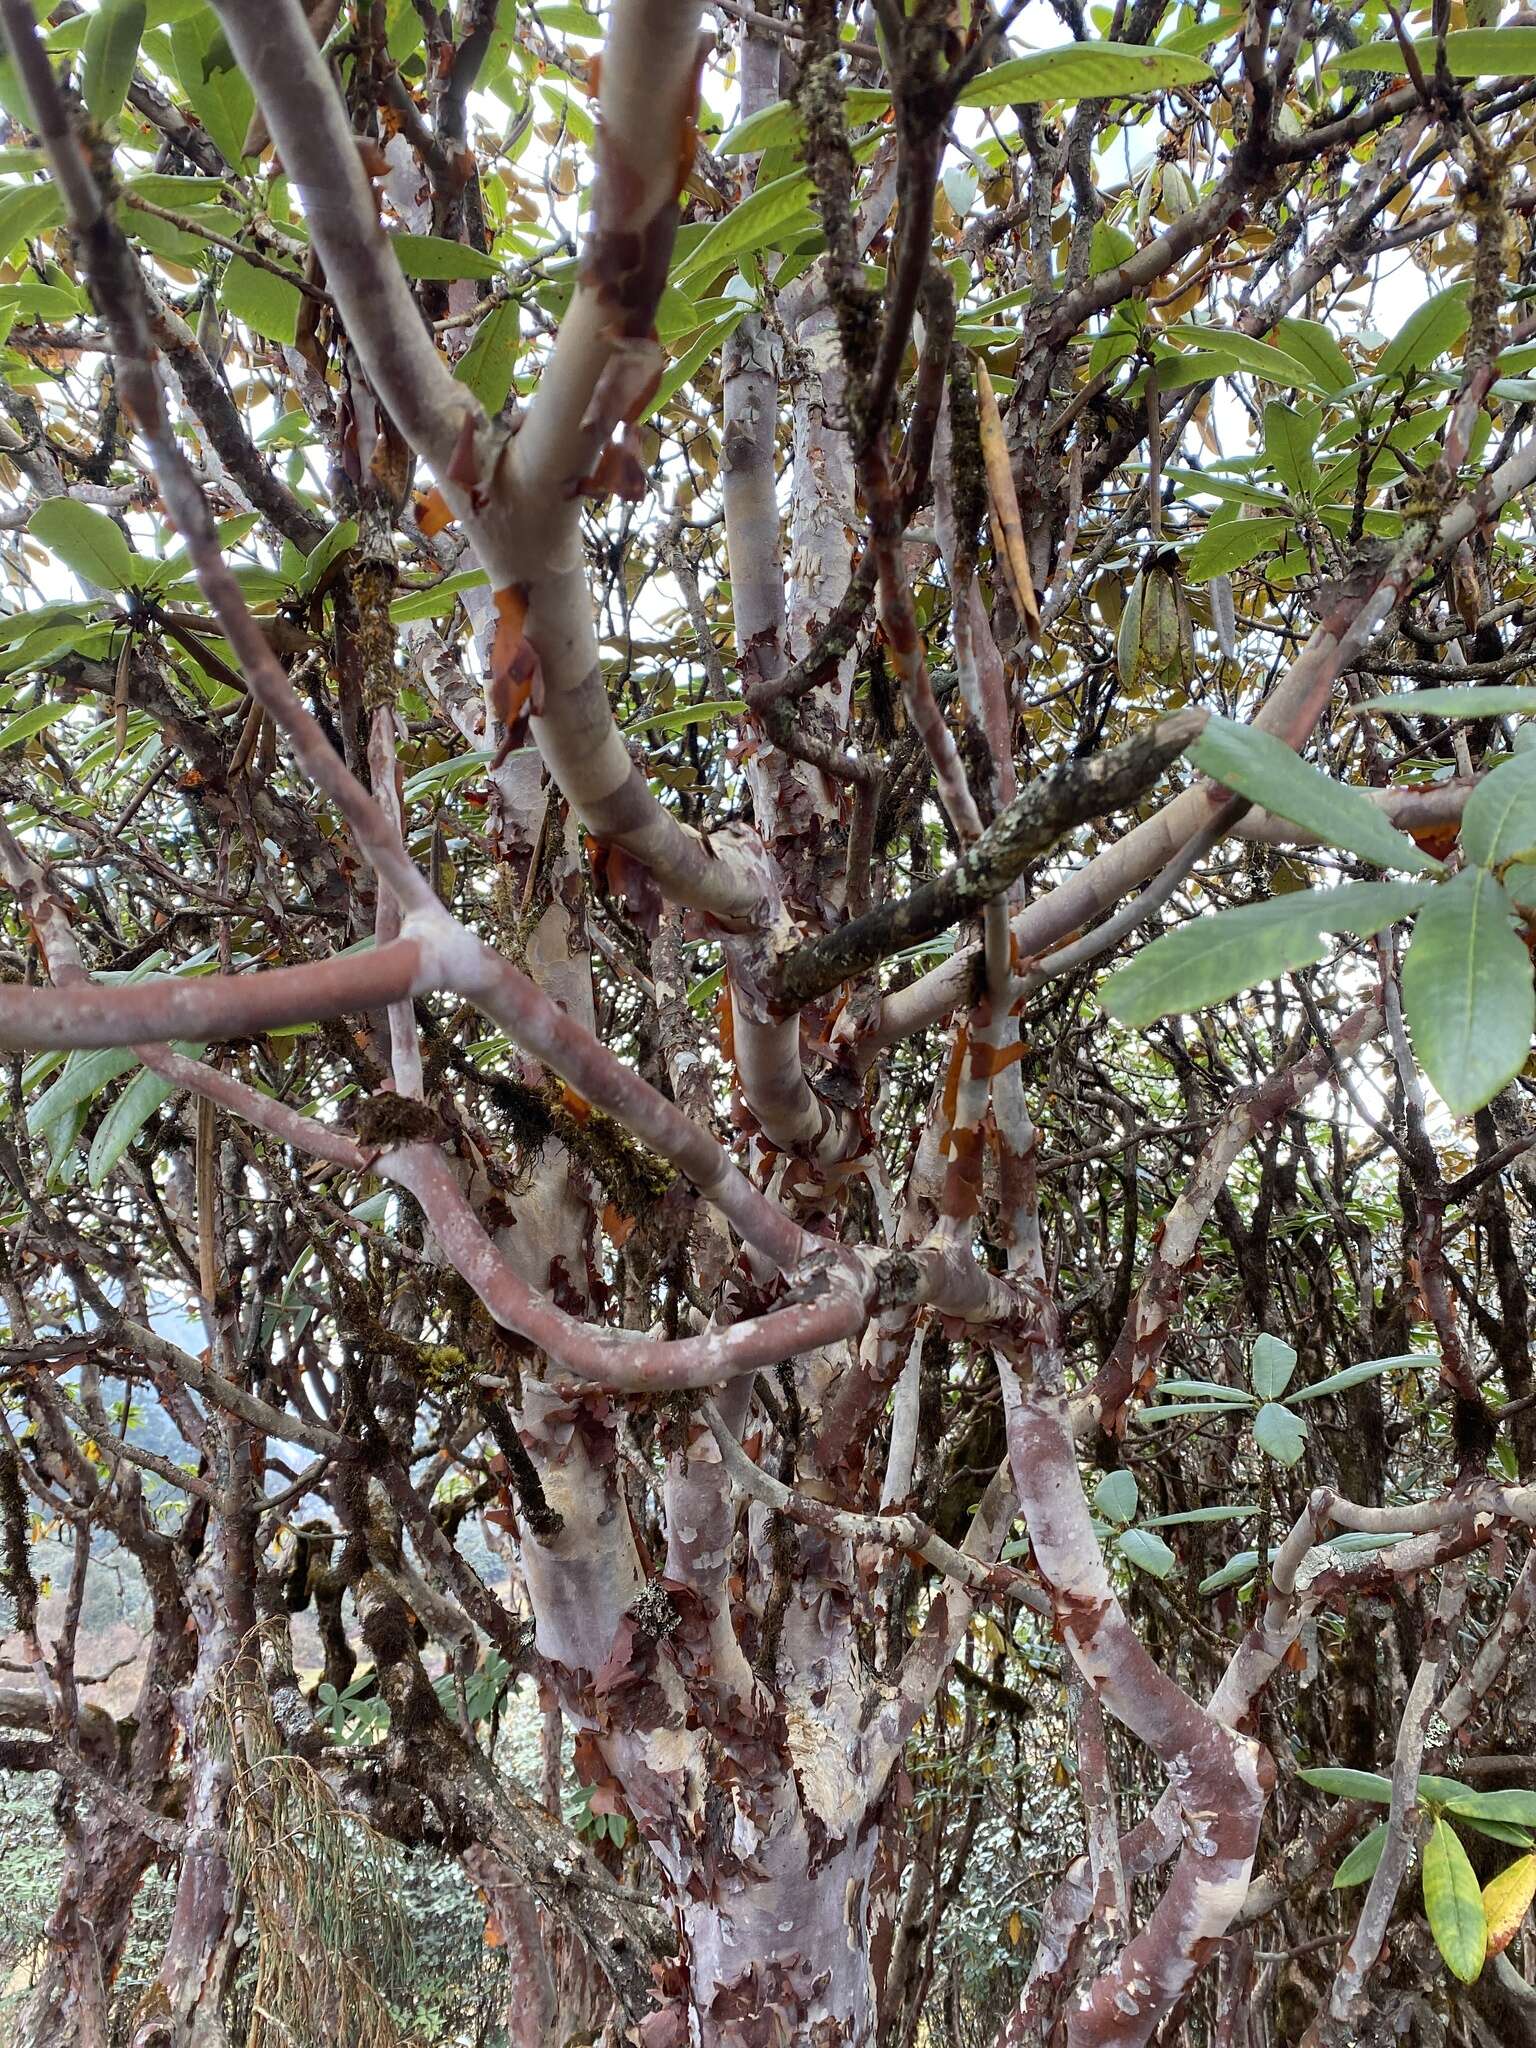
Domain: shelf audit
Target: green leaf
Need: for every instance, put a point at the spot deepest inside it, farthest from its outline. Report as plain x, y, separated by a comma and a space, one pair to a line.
434, 256
111, 51
211, 80
1230, 544
761, 221
180, 195
86, 541
1514, 1806
1206, 1390
26, 211
1310, 342
1240, 1512
1147, 1552
1453, 1902
127, 1117
436, 598
1467, 991
1211, 958
336, 541
1271, 1365
693, 360
1290, 438
779, 123
26, 723
265, 303
1083, 71
1116, 1496
1245, 352
1128, 638
1359, 1866
1427, 333
1499, 821
1185, 1409
1233, 1572
572, 21
1260, 765
707, 712
1498, 700
1498, 1831
1279, 1434
84, 1075
1357, 1375
486, 366
1469, 53
1340, 1783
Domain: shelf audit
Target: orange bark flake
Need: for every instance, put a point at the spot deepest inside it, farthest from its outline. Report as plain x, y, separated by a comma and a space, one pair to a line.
433, 512
516, 683
577, 1105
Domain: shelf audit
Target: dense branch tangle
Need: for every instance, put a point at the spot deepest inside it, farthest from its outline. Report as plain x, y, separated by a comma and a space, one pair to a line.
380, 817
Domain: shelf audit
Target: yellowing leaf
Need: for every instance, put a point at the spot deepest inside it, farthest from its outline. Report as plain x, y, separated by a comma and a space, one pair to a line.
1454, 1905
1507, 1900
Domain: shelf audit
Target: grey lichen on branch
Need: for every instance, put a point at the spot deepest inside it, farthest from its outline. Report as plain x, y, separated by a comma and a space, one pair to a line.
1065, 796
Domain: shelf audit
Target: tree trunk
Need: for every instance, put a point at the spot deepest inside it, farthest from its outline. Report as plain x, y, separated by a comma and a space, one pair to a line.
777, 1950
86, 1932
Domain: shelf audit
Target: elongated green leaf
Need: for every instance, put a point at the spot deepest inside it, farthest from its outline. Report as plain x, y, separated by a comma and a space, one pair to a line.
487, 364
1147, 1552
1083, 71
1469, 52
111, 51
436, 599
1186, 1409
1279, 1434
267, 304
84, 1075
1467, 991
778, 210
126, 1118
1427, 333
336, 541
1497, 1830
212, 81
1272, 1363
681, 715
779, 123
1212, 958
1261, 766
572, 21
1357, 1375
1453, 1903
1232, 543
1247, 353
1499, 700
26, 723
691, 361
1243, 1511
1206, 1390
1233, 1572
26, 211
1310, 342
1116, 1496
86, 541
1289, 442
1512, 1805
434, 256
1499, 821
1359, 1866
1341, 1783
